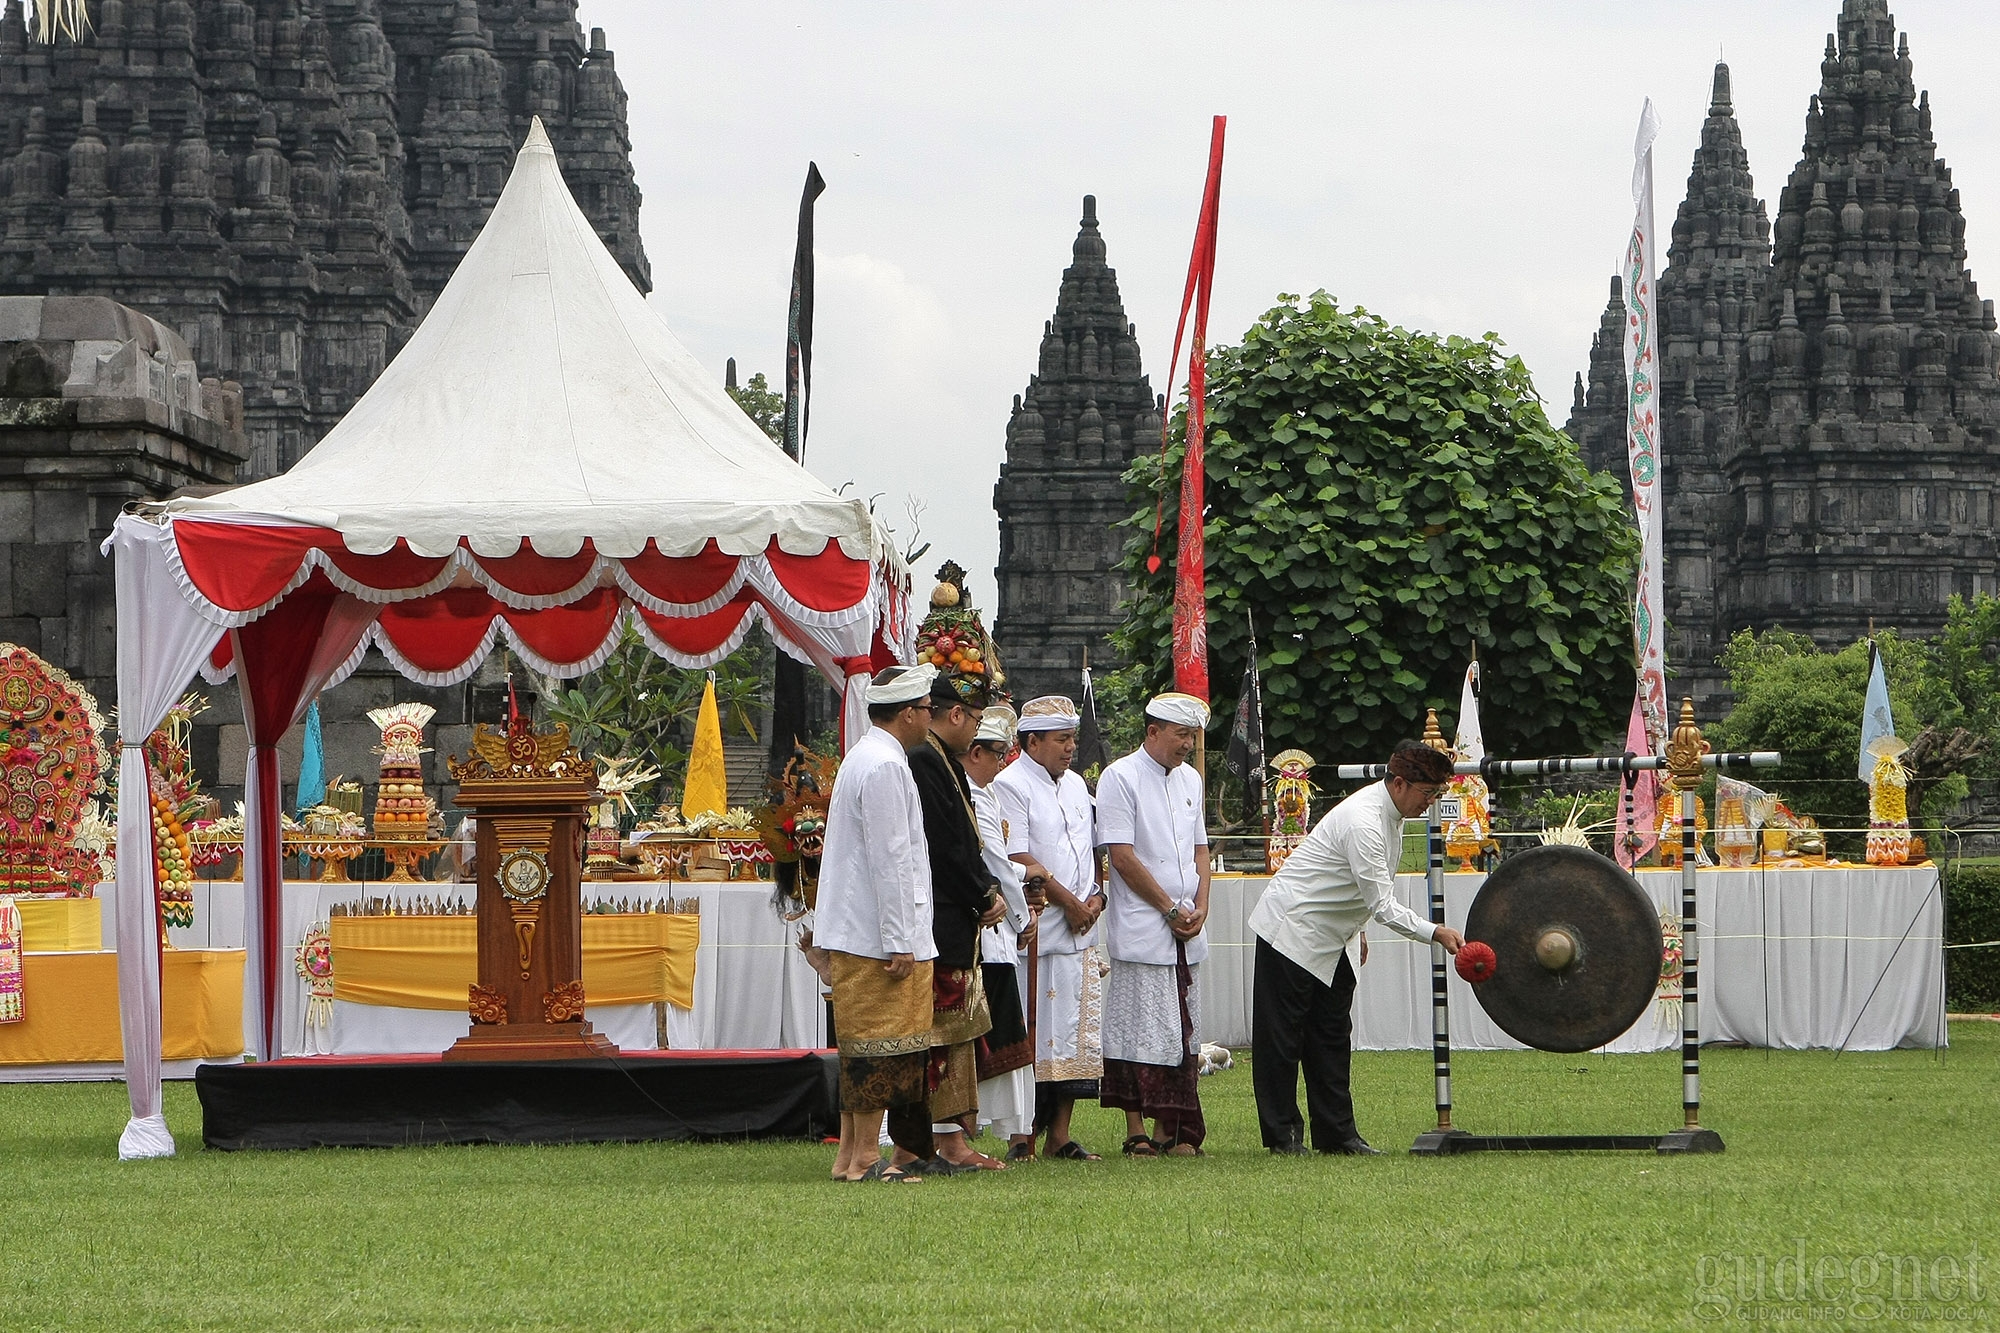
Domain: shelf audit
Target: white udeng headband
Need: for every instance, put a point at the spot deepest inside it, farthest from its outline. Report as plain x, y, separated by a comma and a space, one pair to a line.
996, 725
912, 684
1182, 710
1054, 714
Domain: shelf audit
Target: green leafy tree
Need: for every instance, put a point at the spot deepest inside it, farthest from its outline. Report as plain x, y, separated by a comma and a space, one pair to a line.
763, 405
1383, 501
1966, 660
1797, 698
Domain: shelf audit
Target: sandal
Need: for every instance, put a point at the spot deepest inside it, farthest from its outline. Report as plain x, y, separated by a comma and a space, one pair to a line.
937, 1166
1183, 1150
1073, 1151
889, 1175
1141, 1146
1021, 1152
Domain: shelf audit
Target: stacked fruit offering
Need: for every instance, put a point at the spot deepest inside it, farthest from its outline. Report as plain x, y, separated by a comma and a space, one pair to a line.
402, 811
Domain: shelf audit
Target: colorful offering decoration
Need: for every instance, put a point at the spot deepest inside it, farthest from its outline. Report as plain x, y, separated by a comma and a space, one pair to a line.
1888, 803
620, 778
1741, 810
953, 637
1291, 806
1670, 832
177, 801
402, 809
793, 826
10, 962
314, 962
51, 764
1466, 822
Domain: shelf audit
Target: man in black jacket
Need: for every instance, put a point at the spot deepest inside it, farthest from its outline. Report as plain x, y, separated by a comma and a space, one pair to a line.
964, 900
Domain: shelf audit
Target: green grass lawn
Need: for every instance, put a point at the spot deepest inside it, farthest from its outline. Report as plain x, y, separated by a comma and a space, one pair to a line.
1855, 1163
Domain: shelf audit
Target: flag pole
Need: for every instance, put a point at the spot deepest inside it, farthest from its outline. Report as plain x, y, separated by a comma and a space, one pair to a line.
788, 677
1190, 621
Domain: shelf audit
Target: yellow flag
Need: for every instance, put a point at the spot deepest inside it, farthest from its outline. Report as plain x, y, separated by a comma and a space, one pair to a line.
708, 780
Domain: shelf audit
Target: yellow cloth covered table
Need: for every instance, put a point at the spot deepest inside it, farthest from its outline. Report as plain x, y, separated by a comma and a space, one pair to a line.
427, 962
71, 1004
61, 925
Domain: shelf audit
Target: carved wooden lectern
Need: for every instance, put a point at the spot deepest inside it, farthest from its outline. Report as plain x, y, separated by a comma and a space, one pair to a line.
531, 795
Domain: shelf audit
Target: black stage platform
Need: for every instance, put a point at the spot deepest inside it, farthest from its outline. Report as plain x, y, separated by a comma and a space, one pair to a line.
401, 1100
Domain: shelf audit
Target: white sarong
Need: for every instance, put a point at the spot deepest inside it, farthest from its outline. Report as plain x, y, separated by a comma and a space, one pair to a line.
1067, 1015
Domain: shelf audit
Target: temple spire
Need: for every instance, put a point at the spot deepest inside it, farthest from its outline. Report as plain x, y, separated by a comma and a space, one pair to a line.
1084, 414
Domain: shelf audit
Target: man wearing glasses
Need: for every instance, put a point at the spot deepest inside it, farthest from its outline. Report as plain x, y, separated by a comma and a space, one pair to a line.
1307, 924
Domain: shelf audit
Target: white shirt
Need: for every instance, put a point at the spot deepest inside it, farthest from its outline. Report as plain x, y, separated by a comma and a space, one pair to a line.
1001, 942
1157, 812
1343, 874
875, 870
1052, 822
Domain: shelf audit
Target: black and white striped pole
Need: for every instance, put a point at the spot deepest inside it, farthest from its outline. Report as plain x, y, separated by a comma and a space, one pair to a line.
1684, 761
1440, 996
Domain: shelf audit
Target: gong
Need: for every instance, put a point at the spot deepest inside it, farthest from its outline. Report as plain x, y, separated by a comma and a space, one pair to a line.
1577, 946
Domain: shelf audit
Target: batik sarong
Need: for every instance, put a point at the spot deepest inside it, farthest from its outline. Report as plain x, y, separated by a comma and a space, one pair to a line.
884, 1030
1152, 1045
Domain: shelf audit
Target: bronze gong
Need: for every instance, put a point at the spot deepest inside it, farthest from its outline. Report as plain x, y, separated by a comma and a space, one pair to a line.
1577, 944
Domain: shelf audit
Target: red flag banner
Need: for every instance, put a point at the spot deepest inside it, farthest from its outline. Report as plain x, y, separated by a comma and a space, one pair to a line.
1190, 587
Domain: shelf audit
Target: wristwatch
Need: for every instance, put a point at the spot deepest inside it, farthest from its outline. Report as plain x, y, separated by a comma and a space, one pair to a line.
1174, 912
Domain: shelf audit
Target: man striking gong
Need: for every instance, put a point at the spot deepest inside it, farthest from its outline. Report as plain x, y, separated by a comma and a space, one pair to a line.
1307, 924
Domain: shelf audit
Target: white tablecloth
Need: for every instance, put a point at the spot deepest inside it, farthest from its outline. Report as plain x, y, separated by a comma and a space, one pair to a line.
1793, 959
752, 987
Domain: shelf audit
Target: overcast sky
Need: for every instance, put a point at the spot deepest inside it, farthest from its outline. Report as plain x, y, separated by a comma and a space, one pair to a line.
1454, 167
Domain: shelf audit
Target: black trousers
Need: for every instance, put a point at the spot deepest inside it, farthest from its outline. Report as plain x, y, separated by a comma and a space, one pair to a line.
1295, 1018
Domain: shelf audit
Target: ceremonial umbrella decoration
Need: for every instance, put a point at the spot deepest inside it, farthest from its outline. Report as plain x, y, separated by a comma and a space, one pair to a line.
543, 463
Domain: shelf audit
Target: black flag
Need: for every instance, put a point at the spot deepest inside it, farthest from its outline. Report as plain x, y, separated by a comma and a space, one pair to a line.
788, 678
1245, 756
799, 325
1089, 737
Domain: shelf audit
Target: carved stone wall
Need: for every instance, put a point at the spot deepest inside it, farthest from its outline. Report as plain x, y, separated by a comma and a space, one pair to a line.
1828, 404
285, 186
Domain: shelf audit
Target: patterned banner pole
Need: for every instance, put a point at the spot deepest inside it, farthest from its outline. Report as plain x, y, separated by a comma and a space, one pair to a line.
1642, 441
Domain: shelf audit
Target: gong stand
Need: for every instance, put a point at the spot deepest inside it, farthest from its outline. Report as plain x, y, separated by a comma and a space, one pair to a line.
1684, 761
532, 796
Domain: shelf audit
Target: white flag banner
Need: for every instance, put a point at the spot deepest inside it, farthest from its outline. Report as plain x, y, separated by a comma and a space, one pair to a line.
1642, 441
1470, 743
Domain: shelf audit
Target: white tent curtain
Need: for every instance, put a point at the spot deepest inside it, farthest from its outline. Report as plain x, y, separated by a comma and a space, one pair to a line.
841, 653
334, 658
161, 644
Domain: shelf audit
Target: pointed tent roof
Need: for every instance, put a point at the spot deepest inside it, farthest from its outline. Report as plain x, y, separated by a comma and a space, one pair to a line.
542, 398
544, 460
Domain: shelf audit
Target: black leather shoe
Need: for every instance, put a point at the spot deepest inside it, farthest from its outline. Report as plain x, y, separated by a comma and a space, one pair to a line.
1354, 1147
1293, 1149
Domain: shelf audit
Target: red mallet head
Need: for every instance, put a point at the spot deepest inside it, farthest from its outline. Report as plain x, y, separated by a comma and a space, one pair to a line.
1475, 961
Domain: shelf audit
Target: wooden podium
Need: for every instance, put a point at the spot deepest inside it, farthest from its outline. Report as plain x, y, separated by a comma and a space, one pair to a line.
531, 795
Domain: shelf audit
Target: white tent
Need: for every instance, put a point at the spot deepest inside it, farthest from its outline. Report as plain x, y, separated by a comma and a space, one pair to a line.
543, 462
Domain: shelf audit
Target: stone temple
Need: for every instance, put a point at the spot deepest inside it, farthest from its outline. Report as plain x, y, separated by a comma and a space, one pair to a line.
1088, 410
278, 189
1827, 389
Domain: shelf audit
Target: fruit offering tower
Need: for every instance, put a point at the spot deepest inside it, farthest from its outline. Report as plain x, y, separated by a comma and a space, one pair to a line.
953, 638
402, 811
